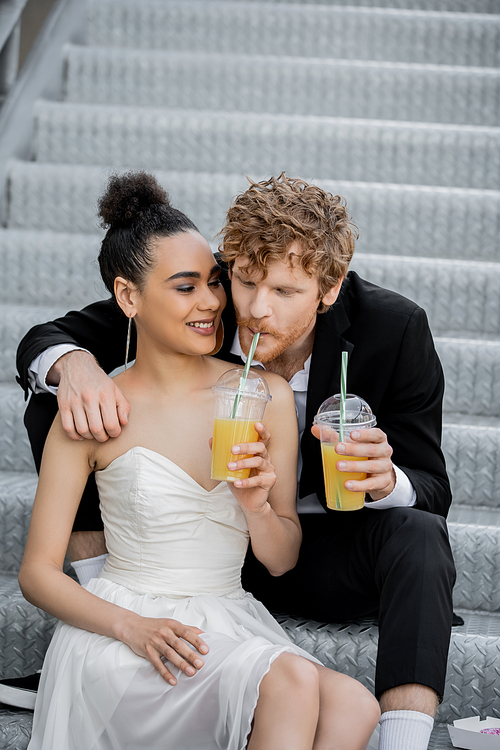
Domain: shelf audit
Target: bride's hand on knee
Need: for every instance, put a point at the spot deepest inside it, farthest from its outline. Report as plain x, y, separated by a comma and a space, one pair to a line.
159, 640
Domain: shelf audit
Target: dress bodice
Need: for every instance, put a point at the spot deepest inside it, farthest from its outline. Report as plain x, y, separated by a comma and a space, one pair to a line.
166, 535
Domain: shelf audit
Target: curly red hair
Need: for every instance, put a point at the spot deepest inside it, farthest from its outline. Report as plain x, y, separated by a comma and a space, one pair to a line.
269, 216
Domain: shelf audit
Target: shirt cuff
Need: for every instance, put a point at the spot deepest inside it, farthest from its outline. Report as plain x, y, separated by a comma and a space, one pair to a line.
39, 368
402, 496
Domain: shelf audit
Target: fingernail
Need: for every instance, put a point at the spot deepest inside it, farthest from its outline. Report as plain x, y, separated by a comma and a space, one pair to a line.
231, 465
238, 483
235, 449
348, 485
341, 465
173, 682
190, 671
198, 663
80, 439
355, 435
341, 448
204, 649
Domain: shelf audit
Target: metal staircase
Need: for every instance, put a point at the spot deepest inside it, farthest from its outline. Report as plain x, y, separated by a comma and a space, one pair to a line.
392, 103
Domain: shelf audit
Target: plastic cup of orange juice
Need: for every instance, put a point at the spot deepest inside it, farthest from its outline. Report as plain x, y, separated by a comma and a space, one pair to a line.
358, 416
239, 403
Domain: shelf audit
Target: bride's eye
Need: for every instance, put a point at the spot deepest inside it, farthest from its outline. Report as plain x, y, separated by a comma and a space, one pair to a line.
185, 289
215, 283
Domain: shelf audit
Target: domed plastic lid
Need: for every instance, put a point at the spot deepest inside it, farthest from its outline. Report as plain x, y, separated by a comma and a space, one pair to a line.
231, 382
357, 412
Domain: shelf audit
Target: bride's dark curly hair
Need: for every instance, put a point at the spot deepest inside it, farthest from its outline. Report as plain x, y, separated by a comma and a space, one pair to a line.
137, 212
271, 215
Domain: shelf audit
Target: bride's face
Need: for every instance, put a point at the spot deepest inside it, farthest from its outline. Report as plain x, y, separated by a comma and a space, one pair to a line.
180, 305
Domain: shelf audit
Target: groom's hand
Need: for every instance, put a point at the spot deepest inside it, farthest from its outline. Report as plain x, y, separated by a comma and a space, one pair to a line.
90, 404
372, 444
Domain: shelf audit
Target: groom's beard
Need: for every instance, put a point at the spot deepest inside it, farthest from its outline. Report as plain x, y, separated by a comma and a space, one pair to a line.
274, 343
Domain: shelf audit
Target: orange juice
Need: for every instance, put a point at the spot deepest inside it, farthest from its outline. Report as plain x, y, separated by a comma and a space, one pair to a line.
229, 432
337, 497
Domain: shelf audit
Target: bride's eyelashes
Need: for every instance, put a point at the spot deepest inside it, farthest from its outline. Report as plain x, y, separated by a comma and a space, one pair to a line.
187, 288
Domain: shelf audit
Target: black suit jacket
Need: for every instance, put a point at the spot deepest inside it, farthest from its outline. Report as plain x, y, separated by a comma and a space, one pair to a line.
393, 365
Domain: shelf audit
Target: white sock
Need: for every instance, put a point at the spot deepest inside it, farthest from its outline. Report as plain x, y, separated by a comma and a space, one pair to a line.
410, 730
89, 568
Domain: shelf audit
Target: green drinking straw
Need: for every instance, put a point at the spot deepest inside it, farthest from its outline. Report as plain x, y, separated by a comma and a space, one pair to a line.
343, 389
243, 378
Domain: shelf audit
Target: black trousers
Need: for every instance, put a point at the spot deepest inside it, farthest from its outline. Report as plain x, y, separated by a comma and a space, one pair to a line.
393, 564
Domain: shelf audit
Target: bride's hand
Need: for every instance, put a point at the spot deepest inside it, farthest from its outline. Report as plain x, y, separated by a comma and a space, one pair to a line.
252, 493
157, 639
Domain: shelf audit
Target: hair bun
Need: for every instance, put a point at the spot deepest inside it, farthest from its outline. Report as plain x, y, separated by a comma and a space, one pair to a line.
128, 197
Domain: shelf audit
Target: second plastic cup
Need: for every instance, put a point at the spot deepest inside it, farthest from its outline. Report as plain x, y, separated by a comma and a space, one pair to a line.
236, 425
358, 416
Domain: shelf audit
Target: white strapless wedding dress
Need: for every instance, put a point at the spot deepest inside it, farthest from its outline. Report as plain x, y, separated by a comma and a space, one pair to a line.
175, 550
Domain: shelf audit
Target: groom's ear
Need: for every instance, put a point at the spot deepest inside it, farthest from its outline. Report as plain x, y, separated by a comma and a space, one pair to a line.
126, 295
331, 296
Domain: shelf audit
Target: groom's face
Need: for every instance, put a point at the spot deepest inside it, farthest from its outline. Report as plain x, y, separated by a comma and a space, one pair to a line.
282, 306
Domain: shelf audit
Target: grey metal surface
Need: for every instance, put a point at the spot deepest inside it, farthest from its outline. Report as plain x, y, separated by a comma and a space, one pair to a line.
458, 296
288, 85
472, 373
49, 268
25, 631
15, 728
472, 457
476, 550
328, 148
15, 452
458, 6
15, 321
17, 491
308, 30
474, 514
393, 219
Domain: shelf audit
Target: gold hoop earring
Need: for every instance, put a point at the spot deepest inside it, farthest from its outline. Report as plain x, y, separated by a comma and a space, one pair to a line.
219, 339
127, 347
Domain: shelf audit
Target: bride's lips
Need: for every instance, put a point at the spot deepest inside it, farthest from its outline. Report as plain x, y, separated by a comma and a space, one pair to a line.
203, 327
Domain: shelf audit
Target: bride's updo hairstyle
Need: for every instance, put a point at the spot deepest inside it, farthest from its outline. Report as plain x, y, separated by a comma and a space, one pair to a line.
136, 211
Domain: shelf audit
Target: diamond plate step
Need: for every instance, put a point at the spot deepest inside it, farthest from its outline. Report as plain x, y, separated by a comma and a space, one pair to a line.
247, 143
286, 85
15, 728
458, 223
476, 550
460, 296
44, 267
472, 514
472, 374
25, 631
458, 6
15, 321
17, 491
308, 30
15, 451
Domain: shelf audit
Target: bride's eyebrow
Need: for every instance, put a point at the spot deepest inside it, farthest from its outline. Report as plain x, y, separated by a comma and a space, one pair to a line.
193, 274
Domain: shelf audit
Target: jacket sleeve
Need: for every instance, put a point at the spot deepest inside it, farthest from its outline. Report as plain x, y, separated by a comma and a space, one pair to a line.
412, 416
101, 328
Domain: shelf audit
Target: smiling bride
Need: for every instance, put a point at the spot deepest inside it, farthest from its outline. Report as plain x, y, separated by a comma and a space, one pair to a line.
165, 649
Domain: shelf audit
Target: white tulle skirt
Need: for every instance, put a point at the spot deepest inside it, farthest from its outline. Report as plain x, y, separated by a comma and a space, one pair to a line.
96, 694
